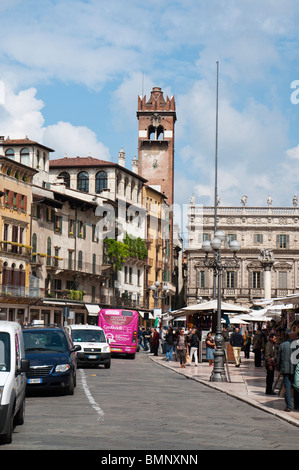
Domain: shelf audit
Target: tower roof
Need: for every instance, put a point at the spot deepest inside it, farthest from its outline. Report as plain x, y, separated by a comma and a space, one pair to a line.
156, 102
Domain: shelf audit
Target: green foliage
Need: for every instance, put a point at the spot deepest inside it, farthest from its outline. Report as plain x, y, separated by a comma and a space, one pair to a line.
119, 252
137, 247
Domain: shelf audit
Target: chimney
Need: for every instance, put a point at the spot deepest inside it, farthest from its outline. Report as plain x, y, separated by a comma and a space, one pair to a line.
121, 157
135, 165
1, 139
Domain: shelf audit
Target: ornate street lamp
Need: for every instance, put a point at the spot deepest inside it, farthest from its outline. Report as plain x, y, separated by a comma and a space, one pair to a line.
159, 292
219, 264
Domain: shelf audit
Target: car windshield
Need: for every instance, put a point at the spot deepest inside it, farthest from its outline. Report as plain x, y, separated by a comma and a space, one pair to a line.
4, 352
37, 340
88, 336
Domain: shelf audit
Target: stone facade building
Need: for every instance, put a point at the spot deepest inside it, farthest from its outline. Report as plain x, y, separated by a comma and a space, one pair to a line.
260, 231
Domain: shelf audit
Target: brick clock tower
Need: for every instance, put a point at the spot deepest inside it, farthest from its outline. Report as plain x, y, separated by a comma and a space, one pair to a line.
156, 119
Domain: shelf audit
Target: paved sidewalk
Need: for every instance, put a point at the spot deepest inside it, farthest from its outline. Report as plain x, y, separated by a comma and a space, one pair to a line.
247, 384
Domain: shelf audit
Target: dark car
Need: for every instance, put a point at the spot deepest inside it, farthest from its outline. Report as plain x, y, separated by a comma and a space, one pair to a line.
52, 356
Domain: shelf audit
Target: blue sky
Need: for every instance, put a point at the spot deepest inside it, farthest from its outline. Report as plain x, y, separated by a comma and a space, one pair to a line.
71, 71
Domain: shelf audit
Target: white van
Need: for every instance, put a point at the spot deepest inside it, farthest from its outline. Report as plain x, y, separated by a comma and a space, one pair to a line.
95, 349
13, 366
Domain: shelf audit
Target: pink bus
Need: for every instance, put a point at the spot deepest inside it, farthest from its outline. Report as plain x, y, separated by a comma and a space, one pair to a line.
121, 327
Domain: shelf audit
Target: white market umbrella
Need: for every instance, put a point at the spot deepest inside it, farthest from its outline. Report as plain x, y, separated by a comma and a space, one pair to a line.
211, 305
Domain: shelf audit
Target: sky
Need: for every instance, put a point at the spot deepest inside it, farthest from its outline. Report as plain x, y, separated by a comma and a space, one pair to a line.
71, 72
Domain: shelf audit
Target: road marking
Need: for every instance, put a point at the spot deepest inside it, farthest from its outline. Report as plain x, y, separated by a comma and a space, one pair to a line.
90, 398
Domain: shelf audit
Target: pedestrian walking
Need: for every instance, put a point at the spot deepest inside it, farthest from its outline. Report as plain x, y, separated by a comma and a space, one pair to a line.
286, 364
140, 339
182, 347
247, 344
169, 340
210, 348
146, 337
193, 345
155, 341
258, 345
236, 341
270, 362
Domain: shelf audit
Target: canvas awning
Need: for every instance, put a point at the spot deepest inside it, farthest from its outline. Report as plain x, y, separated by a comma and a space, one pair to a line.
93, 310
210, 306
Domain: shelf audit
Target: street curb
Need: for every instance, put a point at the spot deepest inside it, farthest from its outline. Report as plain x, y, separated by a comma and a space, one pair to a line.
277, 413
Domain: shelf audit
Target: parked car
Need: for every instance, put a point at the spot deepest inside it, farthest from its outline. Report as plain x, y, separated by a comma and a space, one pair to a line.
95, 349
53, 358
13, 366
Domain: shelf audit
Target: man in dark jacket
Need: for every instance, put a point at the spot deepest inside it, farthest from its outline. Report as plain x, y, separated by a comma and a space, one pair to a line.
270, 361
236, 341
286, 364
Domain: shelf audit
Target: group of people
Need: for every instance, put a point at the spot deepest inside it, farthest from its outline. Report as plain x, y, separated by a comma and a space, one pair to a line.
274, 347
278, 350
171, 340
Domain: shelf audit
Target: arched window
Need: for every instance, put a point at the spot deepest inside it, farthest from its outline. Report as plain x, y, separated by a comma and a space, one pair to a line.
83, 181
25, 156
10, 153
101, 181
66, 178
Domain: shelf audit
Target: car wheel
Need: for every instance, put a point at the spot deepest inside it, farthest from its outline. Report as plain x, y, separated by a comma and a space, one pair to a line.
20, 416
107, 365
7, 438
71, 388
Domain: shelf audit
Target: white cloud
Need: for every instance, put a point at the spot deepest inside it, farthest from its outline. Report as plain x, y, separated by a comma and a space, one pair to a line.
21, 115
74, 141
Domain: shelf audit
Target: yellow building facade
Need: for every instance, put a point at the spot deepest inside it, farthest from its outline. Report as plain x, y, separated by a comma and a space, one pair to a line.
15, 237
156, 208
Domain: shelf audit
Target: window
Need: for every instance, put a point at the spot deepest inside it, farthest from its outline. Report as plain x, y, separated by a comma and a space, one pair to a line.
94, 263
283, 241
101, 181
66, 178
70, 260
80, 260
206, 237
256, 279
25, 156
258, 238
34, 247
231, 279
282, 279
58, 224
72, 228
200, 279
126, 274
10, 153
83, 181
49, 250
130, 275
56, 256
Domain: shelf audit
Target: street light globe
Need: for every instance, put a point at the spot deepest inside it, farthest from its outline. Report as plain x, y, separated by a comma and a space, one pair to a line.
153, 287
235, 246
157, 284
220, 234
206, 246
165, 288
216, 243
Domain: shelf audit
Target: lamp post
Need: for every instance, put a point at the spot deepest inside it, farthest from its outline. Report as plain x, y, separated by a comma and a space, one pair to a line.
159, 292
219, 264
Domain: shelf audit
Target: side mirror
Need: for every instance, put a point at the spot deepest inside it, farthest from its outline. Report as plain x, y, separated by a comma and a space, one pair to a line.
25, 366
76, 348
